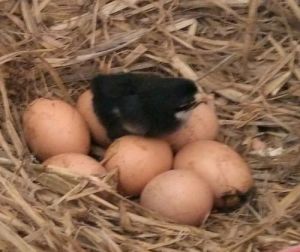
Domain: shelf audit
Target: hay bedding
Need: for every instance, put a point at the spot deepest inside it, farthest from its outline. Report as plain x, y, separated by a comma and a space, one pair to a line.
244, 52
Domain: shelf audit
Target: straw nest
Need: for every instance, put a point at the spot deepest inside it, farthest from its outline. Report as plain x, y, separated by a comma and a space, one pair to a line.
244, 52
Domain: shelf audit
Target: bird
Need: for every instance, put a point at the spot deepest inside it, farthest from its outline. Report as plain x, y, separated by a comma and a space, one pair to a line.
143, 104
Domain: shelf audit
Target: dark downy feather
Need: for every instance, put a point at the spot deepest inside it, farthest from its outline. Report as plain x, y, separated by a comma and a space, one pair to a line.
141, 104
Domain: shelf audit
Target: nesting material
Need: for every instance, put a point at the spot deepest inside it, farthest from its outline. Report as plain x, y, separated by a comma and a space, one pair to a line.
245, 53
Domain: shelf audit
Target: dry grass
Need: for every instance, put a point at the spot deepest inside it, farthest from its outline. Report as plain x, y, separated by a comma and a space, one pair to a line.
244, 52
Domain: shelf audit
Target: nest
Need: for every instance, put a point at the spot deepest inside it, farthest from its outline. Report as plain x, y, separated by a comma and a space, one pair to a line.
245, 53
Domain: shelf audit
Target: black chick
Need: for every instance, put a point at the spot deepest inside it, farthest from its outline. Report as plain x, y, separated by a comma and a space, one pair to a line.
142, 104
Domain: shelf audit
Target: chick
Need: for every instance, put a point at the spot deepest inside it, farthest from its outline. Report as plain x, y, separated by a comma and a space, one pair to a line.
142, 104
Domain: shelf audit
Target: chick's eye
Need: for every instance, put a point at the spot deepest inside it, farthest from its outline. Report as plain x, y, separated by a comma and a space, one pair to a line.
187, 106
183, 107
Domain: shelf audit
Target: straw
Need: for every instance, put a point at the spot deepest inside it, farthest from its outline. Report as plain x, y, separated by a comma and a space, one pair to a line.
244, 52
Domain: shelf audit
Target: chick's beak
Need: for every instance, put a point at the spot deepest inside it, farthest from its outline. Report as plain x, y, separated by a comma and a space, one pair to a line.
198, 98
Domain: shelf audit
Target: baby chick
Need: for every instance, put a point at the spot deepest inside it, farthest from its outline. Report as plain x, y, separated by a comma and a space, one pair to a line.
142, 104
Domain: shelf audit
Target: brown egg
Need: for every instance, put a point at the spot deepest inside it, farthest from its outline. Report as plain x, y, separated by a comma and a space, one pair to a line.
78, 163
221, 166
295, 248
137, 160
84, 106
52, 127
179, 195
202, 124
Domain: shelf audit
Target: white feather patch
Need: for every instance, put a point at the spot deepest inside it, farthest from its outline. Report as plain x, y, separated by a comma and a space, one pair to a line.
183, 115
134, 129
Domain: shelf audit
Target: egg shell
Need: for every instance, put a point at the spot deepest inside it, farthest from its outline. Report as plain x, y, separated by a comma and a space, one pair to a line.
85, 108
218, 164
76, 162
137, 160
295, 248
202, 124
52, 127
179, 195
258, 145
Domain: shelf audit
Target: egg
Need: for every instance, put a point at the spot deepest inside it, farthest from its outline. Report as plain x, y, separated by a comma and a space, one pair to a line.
85, 108
78, 163
295, 248
52, 127
179, 195
221, 166
137, 160
202, 124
